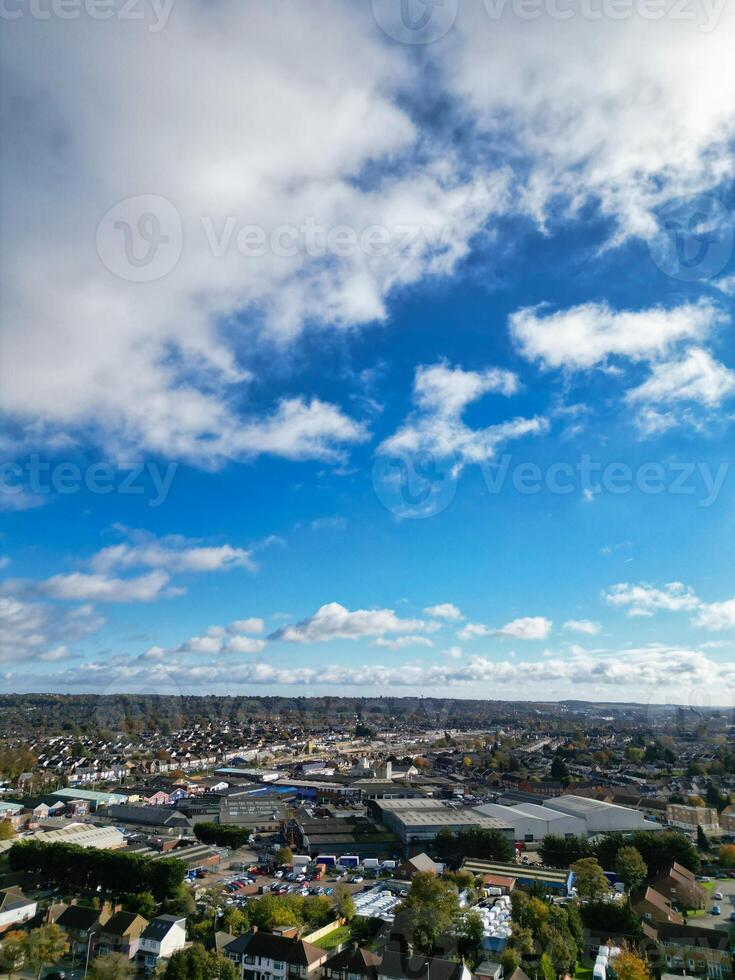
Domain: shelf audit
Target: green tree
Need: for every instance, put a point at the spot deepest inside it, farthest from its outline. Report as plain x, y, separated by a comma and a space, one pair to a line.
14, 953
546, 967
452, 847
560, 852
702, 840
6, 830
559, 769
432, 909
630, 966
631, 867
284, 855
344, 903
590, 880
44, 947
142, 904
116, 966
195, 963
470, 931
510, 960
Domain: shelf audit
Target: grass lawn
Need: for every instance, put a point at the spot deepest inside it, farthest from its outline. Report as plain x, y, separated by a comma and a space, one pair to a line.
334, 938
583, 972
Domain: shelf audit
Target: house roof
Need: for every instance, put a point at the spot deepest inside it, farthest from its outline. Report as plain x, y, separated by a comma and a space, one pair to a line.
13, 898
123, 922
78, 917
274, 947
360, 961
652, 897
422, 862
398, 964
158, 928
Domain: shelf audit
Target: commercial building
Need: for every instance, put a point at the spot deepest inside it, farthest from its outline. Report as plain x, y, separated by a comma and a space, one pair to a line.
524, 875
95, 799
417, 822
532, 822
600, 817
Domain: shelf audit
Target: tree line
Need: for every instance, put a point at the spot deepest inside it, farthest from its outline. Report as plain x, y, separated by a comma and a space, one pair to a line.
82, 869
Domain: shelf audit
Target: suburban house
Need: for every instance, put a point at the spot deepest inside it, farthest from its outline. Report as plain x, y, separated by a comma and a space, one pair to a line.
401, 963
693, 949
352, 963
653, 907
680, 886
80, 923
268, 956
161, 938
15, 908
121, 934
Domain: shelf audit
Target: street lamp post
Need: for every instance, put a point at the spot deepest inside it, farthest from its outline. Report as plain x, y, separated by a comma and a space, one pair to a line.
89, 947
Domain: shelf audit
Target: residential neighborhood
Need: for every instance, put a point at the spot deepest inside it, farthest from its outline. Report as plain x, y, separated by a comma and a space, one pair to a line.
394, 851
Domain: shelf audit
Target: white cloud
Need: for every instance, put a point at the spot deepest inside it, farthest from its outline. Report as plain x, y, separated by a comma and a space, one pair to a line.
627, 112
79, 586
695, 377
173, 553
716, 615
583, 626
399, 642
244, 644
218, 641
441, 394
587, 336
334, 622
254, 624
170, 370
445, 610
726, 285
526, 628
645, 599
34, 630
453, 653
472, 630
654, 673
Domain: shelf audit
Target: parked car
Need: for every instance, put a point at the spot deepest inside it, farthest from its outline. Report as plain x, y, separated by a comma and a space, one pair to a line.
718, 895
715, 910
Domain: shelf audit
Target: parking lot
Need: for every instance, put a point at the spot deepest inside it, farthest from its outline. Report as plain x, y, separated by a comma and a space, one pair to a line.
239, 885
726, 887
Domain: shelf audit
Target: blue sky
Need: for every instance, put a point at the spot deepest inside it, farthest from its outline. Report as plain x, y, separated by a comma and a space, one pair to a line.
474, 440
